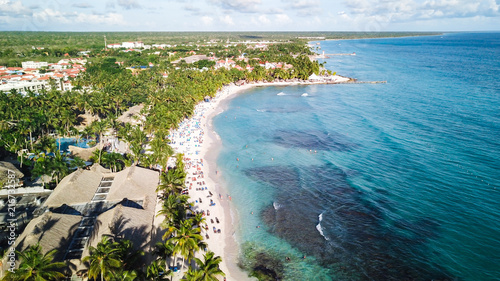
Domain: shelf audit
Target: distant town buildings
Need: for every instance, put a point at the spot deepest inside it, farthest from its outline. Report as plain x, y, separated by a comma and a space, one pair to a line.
136, 44
35, 76
34, 64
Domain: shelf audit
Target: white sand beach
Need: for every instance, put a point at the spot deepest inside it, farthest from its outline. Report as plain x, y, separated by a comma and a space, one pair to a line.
195, 140
199, 143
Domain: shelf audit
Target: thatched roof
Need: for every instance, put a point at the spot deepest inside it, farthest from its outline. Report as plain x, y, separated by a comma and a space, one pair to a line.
52, 231
129, 223
77, 188
84, 153
134, 183
128, 116
5, 167
127, 212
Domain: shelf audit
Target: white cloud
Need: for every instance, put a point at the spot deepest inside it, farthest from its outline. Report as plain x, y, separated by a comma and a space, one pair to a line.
207, 20
263, 19
110, 18
191, 8
283, 18
83, 5
301, 4
227, 20
244, 6
110, 5
13, 9
49, 15
129, 4
304, 8
411, 10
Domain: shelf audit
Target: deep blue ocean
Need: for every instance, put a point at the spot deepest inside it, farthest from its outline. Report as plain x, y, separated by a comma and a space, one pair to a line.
396, 181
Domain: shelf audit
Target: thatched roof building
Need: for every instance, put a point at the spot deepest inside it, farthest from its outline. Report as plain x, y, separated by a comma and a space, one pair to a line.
88, 204
7, 168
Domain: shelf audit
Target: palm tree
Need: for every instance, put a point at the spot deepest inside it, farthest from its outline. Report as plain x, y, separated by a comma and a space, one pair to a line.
192, 275
157, 271
36, 266
174, 209
112, 160
59, 166
209, 268
77, 162
164, 250
186, 240
161, 150
104, 259
129, 257
171, 182
138, 139
99, 128
198, 220
126, 276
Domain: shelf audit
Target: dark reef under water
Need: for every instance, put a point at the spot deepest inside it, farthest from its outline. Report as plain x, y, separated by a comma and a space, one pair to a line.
315, 139
319, 213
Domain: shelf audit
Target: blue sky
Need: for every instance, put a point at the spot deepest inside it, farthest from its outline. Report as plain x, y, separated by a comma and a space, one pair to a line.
250, 15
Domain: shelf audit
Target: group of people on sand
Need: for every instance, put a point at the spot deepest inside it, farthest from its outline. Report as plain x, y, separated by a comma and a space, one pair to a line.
188, 139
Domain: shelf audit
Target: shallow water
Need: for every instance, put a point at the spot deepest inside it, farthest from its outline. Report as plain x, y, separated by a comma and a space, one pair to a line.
395, 181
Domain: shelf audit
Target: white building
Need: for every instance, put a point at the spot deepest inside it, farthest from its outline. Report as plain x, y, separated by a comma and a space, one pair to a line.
23, 86
137, 44
128, 45
34, 64
114, 46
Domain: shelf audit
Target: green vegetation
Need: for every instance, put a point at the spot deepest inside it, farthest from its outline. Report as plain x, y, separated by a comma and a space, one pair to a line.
167, 92
36, 266
113, 260
16, 46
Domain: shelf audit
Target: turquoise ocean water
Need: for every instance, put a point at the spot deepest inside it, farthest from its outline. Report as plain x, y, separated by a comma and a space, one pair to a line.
396, 181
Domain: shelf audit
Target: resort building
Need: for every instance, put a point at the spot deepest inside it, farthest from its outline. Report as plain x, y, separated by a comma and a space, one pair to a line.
228, 63
30, 78
114, 46
193, 59
89, 204
34, 64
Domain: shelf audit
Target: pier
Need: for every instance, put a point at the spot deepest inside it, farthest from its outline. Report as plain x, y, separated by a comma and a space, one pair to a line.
341, 54
363, 82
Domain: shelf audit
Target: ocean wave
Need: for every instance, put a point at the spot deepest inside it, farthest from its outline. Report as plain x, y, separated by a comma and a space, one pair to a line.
281, 94
320, 228
276, 206
304, 95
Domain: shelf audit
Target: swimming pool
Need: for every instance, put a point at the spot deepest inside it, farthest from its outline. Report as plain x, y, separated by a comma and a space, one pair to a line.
66, 142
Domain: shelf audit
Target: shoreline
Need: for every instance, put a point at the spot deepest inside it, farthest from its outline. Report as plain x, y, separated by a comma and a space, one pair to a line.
199, 142
386, 37
210, 152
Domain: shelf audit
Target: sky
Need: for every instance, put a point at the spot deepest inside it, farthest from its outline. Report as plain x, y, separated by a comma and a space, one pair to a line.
250, 15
